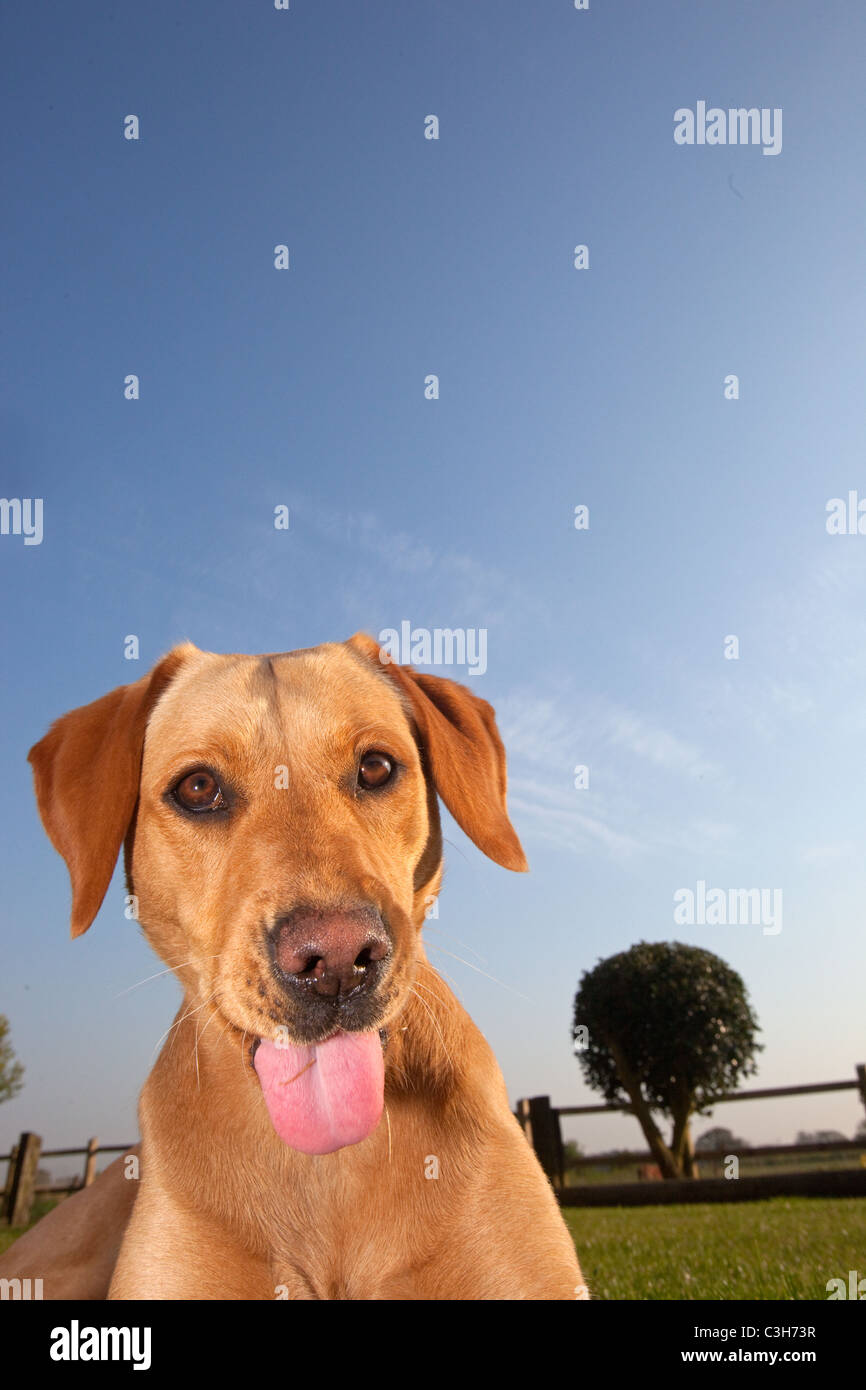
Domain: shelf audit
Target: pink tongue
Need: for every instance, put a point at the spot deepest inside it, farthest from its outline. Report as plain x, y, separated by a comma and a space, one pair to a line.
324, 1097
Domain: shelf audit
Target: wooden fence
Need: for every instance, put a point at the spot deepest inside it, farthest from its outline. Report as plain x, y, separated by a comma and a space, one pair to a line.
24, 1159
541, 1124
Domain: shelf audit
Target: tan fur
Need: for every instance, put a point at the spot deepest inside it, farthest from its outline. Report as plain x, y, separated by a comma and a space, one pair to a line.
74, 1249
225, 1208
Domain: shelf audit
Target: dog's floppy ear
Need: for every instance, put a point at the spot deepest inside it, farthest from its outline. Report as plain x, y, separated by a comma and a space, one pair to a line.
86, 770
458, 735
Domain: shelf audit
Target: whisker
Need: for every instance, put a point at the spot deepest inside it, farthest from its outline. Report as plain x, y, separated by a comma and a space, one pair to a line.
203, 1031
434, 947
174, 1025
388, 1118
159, 974
223, 1033
435, 1025
213, 1015
195, 1054
460, 851
179, 1021
428, 990
197, 1022
440, 974
465, 944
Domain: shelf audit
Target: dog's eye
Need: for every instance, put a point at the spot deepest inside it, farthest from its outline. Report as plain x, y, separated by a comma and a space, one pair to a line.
375, 770
199, 791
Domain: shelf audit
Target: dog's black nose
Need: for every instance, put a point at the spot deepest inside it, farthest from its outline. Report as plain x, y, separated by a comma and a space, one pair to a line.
332, 953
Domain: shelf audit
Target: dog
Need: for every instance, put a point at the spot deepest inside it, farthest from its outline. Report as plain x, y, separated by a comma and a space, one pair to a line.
324, 1120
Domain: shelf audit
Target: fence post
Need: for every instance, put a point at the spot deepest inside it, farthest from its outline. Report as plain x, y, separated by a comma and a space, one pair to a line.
540, 1123
19, 1198
90, 1161
861, 1082
7, 1191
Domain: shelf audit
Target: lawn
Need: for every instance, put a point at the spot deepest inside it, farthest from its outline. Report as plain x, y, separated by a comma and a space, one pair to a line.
786, 1247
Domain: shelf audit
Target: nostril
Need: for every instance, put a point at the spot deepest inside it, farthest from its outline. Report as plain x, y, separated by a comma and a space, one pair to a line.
375, 949
308, 966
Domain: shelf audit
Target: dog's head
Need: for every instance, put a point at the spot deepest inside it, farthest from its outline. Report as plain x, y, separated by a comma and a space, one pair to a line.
282, 841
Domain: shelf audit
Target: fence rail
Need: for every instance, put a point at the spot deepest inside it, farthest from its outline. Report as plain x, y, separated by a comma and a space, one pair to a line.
754, 1151
540, 1122
21, 1186
734, 1095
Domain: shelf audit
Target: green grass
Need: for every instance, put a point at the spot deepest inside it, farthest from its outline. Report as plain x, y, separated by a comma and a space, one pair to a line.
41, 1207
786, 1247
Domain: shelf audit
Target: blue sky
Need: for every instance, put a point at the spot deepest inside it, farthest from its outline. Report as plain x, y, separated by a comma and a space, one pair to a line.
558, 387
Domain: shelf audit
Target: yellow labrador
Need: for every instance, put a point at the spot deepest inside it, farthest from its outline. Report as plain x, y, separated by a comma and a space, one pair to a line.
325, 1121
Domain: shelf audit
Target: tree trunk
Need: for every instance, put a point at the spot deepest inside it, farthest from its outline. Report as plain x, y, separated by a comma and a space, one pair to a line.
690, 1163
666, 1161
681, 1139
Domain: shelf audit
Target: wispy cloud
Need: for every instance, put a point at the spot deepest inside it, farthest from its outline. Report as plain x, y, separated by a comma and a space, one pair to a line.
547, 737
657, 746
438, 586
556, 731
552, 815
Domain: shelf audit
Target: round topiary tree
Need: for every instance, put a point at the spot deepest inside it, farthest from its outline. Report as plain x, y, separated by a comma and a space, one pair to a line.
664, 1027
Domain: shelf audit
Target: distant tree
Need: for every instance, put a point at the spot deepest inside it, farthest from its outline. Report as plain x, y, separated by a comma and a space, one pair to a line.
860, 1132
820, 1136
720, 1138
11, 1071
664, 1027
570, 1154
